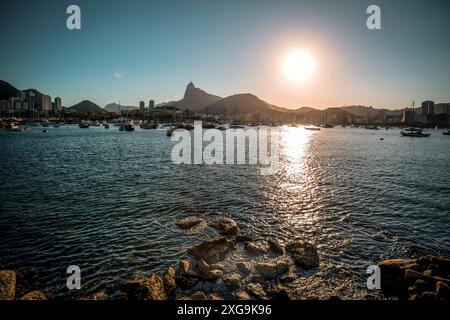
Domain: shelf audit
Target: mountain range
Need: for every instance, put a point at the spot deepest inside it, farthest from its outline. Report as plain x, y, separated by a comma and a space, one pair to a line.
243, 104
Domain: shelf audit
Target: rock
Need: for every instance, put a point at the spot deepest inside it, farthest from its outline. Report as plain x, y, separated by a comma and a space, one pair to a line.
214, 296
96, 296
278, 292
442, 291
189, 223
183, 267
411, 274
254, 248
429, 296
34, 295
420, 286
7, 284
225, 226
232, 280
244, 267
213, 275
304, 254
187, 280
257, 279
256, 290
273, 268
288, 278
370, 297
213, 250
393, 282
242, 238
202, 266
275, 246
169, 280
27, 280
416, 251
241, 295
198, 295
217, 266
148, 288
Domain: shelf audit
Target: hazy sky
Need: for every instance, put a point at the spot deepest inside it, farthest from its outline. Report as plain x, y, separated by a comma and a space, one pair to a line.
136, 50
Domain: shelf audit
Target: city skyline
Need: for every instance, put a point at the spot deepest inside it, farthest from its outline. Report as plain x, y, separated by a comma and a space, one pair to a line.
155, 51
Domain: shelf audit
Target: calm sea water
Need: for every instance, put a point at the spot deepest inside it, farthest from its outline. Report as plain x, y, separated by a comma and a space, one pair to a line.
106, 200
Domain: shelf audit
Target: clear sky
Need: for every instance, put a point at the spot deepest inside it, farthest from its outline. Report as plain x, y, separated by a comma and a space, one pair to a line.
139, 50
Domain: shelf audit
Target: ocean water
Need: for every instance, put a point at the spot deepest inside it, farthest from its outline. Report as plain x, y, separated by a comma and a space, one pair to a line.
106, 200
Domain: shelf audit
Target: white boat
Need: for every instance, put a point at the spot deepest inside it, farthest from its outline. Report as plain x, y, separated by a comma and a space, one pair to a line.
312, 128
414, 132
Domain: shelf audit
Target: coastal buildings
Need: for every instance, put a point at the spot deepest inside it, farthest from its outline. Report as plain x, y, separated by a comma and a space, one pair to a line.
46, 103
151, 105
141, 106
57, 106
427, 107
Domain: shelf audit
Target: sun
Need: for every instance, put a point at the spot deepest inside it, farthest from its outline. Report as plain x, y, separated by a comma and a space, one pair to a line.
298, 65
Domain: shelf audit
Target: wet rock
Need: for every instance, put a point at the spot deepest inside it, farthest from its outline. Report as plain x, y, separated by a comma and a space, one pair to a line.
183, 267
213, 275
198, 295
254, 248
27, 280
334, 298
225, 226
241, 295
393, 281
187, 280
202, 266
416, 251
442, 291
278, 292
243, 238
256, 290
213, 250
429, 296
218, 266
257, 279
244, 267
34, 295
273, 268
288, 278
420, 286
169, 280
275, 246
7, 284
95, 296
232, 280
304, 254
214, 296
148, 288
189, 223
370, 297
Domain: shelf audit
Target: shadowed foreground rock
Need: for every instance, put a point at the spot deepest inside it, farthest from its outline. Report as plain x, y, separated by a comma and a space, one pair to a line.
304, 254
188, 223
36, 295
273, 268
425, 278
7, 284
225, 226
212, 251
149, 288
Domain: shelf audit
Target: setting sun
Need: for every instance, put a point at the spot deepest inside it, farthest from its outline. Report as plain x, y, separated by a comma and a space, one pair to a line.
298, 65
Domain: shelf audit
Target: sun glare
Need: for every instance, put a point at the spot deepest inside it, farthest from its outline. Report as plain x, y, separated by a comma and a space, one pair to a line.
298, 65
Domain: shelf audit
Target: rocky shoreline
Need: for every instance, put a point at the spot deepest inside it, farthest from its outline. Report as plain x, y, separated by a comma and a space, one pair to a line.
425, 278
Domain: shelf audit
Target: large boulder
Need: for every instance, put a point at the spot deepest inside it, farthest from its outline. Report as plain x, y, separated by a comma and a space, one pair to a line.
148, 288
244, 267
273, 268
27, 280
225, 226
7, 285
34, 295
213, 250
304, 254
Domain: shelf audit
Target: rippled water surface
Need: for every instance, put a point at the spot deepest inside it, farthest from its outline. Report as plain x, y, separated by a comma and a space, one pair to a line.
106, 200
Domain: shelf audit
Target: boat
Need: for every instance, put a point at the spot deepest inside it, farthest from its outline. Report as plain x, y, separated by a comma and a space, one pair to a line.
148, 125
127, 126
373, 127
170, 131
414, 132
45, 130
84, 124
236, 126
12, 126
221, 128
447, 133
106, 126
56, 125
312, 128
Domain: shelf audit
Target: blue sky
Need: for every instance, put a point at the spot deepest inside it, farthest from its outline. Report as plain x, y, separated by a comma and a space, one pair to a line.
139, 50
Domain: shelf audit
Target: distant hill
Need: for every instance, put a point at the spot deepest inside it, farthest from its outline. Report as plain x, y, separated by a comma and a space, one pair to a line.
7, 91
115, 107
194, 99
241, 104
86, 106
